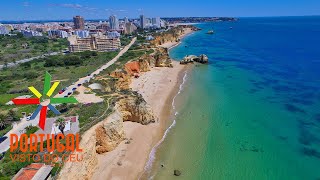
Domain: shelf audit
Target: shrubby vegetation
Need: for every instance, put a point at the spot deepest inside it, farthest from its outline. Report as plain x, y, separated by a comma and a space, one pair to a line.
13, 48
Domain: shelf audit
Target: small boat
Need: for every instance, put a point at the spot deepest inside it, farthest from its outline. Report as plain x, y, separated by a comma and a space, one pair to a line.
231, 27
210, 32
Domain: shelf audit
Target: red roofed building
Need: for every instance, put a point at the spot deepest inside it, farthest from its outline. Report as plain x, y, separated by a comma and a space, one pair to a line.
35, 171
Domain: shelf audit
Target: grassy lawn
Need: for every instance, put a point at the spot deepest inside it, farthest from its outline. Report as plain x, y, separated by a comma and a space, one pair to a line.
4, 98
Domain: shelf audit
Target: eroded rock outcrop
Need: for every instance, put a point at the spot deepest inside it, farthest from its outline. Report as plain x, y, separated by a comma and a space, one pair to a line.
162, 58
85, 168
169, 36
143, 64
192, 58
123, 80
110, 134
148, 58
135, 109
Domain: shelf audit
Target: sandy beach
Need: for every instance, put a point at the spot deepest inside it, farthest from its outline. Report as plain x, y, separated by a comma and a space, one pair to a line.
127, 161
158, 88
169, 45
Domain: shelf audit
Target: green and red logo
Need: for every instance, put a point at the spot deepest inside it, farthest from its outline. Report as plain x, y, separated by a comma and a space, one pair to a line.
44, 101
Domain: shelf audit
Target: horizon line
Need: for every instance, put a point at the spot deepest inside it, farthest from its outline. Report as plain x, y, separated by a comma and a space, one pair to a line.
52, 20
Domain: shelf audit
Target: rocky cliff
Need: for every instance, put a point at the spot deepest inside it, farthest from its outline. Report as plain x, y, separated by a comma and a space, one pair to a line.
146, 62
135, 109
162, 58
109, 134
85, 168
123, 80
171, 35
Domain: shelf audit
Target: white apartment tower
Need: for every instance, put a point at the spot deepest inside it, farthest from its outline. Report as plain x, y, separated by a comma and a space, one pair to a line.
114, 22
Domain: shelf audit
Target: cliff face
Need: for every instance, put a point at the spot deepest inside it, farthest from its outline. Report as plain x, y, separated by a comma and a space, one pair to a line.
106, 136
143, 64
162, 58
148, 59
123, 82
169, 36
135, 109
110, 134
132, 68
85, 168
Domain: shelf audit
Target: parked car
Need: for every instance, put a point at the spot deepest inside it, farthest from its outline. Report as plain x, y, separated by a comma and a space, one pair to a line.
69, 93
79, 84
66, 96
73, 89
60, 92
3, 138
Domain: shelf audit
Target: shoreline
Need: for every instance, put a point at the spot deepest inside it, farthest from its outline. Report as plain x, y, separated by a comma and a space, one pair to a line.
158, 87
153, 86
170, 45
168, 114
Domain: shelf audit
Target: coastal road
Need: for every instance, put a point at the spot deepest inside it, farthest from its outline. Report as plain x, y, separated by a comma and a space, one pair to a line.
19, 128
96, 72
11, 64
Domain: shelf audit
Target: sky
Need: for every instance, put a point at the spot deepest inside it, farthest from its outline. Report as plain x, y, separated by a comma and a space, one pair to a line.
101, 9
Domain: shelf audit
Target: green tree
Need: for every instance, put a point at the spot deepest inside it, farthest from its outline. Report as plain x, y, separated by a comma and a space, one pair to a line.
3, 121
72, 60
13, 116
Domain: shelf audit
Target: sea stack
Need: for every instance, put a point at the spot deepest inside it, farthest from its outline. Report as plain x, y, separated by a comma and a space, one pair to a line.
203, 59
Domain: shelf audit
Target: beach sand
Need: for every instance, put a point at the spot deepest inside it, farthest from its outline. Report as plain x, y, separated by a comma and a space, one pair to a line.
158, 87
127, 161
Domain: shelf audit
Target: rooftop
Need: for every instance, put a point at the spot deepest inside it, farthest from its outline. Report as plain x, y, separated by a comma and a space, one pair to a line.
35, 171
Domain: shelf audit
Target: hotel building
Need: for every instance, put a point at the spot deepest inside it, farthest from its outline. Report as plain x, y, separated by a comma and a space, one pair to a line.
93, 43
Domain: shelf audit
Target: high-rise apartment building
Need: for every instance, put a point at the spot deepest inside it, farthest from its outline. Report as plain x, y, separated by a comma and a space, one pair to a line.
114, 22
156, 22
143, 21
78, 22
126, 20
129, 28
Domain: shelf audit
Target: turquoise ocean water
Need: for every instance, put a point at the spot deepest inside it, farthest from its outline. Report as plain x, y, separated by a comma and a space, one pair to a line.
254, 111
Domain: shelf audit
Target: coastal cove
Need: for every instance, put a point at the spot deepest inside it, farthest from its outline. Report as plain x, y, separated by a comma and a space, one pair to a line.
253, 111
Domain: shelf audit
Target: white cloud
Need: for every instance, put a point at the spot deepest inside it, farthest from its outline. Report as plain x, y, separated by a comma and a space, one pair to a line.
74, 6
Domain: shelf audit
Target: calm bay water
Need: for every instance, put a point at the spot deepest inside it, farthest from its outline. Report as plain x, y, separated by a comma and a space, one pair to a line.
254, 111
